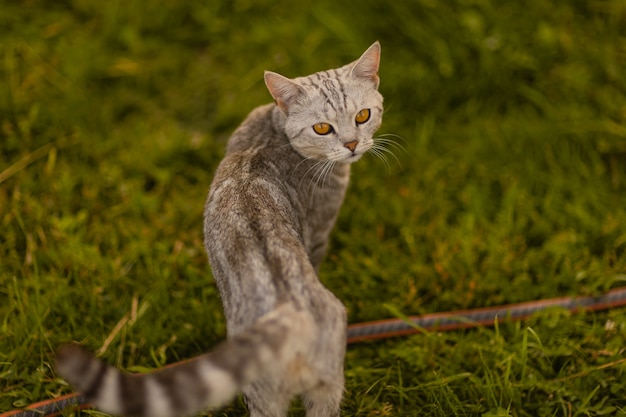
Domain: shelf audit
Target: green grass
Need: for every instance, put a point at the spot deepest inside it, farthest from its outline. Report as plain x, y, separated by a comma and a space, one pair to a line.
512, 187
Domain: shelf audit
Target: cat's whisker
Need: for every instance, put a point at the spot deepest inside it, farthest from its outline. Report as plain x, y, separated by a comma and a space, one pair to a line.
314, 174
319, 168
320, 175
327, 172
295, 169
316, 161
323, 176
381, 149
381, 156
319, 179
388, 137
392, 135
388, 151
390, 142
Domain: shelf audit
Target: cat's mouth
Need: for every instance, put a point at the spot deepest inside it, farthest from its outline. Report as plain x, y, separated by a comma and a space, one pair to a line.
353, 157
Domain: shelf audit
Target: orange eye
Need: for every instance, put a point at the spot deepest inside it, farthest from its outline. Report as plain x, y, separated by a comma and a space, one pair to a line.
322, 128
362, 116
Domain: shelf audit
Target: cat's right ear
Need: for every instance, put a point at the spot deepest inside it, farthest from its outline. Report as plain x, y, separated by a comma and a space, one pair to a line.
284, 90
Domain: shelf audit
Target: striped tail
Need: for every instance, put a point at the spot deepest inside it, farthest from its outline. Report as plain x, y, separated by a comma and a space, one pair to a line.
207, 381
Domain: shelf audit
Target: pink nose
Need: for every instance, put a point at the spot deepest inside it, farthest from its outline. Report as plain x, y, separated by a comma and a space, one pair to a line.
351, 145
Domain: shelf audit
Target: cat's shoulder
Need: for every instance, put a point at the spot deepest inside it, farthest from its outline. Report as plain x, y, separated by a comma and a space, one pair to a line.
261, 113
256, 126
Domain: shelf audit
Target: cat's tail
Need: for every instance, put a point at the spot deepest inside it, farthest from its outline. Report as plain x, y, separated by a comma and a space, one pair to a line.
192, 386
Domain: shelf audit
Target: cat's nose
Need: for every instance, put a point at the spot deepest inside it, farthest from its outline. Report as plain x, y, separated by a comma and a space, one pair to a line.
351, 145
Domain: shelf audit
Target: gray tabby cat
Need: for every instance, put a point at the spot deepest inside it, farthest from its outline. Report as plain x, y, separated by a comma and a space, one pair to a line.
273, 202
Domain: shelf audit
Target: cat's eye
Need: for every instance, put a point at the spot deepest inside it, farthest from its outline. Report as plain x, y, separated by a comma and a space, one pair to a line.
362, 116
322, 128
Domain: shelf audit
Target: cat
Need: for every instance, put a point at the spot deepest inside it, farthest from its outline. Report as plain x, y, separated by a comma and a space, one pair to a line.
272, 204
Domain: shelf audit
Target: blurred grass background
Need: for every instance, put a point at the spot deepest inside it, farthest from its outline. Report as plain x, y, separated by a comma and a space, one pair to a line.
512, 187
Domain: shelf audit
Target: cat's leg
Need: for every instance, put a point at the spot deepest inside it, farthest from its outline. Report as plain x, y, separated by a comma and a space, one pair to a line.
265, 400
324, 400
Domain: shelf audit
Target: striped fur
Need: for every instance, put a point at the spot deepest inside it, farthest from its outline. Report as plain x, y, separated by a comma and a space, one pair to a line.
272, 204
202, 382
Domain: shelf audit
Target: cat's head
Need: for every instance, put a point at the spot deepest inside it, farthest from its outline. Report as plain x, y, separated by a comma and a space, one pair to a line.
332, 115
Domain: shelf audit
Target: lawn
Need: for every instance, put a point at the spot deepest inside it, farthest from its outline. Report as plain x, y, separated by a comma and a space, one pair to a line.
508, 184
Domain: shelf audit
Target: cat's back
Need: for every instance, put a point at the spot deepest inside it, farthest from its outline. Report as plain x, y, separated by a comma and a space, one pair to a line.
252, 223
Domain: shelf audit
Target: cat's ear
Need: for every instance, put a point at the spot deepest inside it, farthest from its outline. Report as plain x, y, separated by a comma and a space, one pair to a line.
367, 65
284, 90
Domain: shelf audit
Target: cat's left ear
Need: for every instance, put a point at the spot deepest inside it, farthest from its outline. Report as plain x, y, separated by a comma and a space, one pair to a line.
284, 90
367, 65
